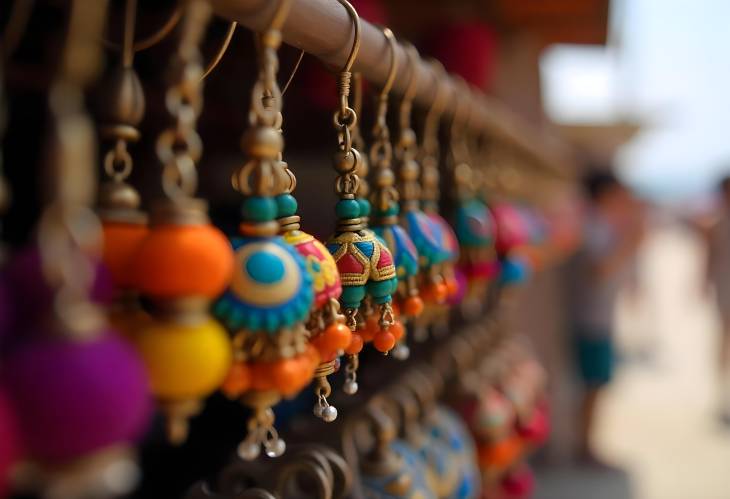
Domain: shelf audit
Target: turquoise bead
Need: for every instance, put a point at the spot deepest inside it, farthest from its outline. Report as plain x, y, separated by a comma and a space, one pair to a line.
352, 296
378, 289
265, 268
364, 207
286, 205
347, 208
259, 209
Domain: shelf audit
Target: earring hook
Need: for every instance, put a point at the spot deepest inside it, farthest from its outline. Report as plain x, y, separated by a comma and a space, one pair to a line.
356, 42
407, 102
393, 70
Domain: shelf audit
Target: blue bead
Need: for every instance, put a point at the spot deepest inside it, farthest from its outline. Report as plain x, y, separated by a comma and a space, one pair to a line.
259, 209
364, 207
265, 268
286, 205
347, 208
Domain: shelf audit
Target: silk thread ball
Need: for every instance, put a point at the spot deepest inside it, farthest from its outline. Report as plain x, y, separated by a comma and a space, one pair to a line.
76, 397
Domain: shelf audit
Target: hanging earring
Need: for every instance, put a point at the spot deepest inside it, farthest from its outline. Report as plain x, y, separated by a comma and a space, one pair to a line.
184, 262
75, 440
365, 264
124, 225
329, 335
384, 199
434, 238
473, 221
271, 292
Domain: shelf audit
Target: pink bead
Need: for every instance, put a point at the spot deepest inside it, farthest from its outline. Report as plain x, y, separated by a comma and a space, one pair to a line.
77, 397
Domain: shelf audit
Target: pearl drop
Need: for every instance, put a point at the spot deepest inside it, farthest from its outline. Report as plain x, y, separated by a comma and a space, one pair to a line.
248, 451
317, 410
329, 413
401, 352
350, 387
275, 448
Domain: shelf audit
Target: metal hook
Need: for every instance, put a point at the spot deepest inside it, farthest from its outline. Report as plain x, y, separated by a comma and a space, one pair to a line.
154, 38
407, 101
356, 41
393, 64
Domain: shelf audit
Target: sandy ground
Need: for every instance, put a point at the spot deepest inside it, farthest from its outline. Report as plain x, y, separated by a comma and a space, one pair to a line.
659, 420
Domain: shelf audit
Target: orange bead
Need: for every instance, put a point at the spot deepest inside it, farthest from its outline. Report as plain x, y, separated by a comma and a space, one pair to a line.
452, 287
355, 346
121, 241
413, 306
396, 307
370, 328
183, 260
436, 292
261, 376
339, 336
384, 341
397, 330
237, 381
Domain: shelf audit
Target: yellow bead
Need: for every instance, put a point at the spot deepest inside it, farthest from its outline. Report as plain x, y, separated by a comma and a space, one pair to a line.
183, 361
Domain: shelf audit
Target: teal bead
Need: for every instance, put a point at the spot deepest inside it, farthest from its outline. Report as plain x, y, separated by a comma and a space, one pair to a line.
347, 208
286, 205
378, 289
259, 209
364, 207
352, 296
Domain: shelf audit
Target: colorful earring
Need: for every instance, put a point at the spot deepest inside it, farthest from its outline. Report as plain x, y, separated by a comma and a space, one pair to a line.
434, 239
184, 262
473, 220
86, 430
329, 335
124, 225
271, 292
384, 200
365, 264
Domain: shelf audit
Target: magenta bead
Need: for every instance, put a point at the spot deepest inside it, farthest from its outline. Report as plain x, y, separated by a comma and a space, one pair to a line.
32, 297
10, 444
512, 231
76, 397
537, 430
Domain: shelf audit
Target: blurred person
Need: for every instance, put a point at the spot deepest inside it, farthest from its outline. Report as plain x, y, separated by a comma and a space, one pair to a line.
606, 263
718, 277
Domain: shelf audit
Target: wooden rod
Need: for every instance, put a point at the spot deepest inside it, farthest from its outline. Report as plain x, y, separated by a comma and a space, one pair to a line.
324, 29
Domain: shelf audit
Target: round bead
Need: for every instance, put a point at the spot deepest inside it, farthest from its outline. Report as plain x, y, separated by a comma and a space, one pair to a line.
286, 205
121, 241
384, 341
345, 162
259, 209
276, 448
334, 338
401, 351
435, 293
237, 381
176, 261
350, 387
413, 306
352, 296
370, 328
329, 413
185, 361
380, 289
365, 207
248, 451
76, 397
355, 346
291, 375
317, 410
397, 330
347, 208
262, 142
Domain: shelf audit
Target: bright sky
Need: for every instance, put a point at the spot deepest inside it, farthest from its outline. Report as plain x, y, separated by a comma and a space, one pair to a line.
668, 65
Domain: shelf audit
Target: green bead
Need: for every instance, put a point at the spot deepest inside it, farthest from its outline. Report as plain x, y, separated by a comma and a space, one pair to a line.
364, 207
352, 296
380, 289
393, 210
259, 209
347, 208
286, 205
